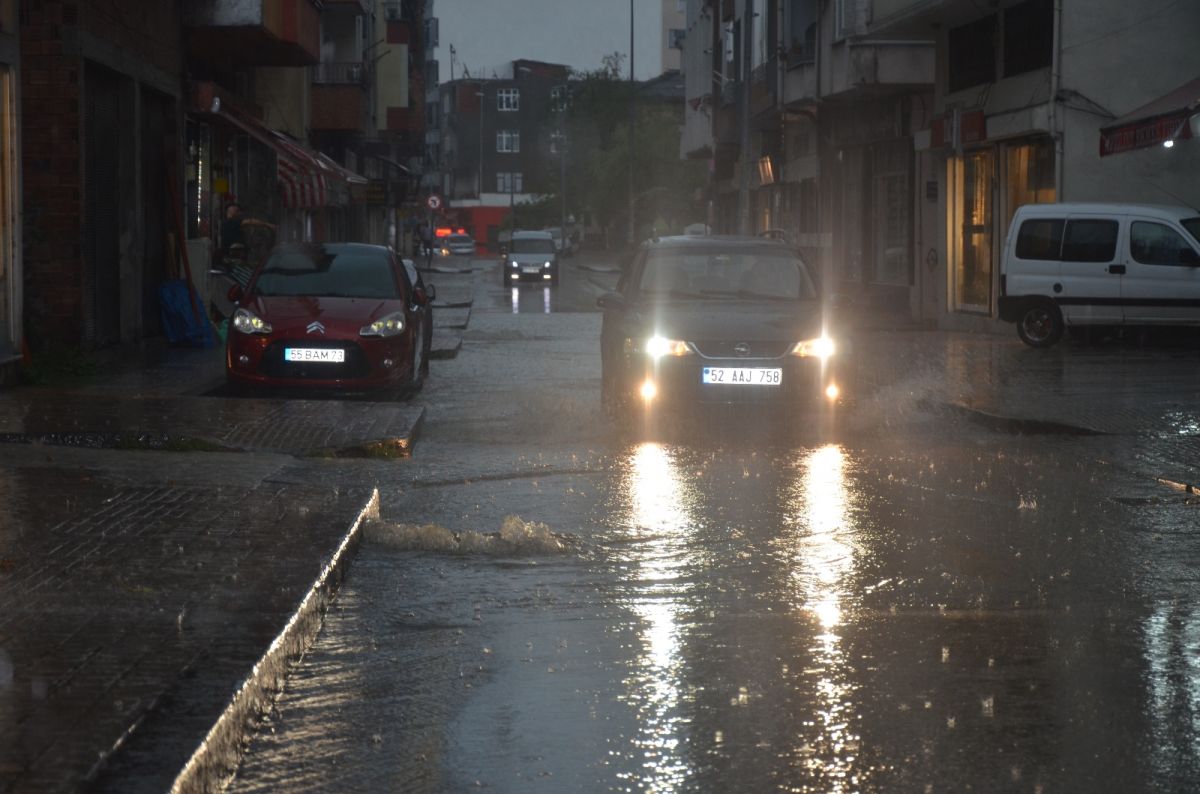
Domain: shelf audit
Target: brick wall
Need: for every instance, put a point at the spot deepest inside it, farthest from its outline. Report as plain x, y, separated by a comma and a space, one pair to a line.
54, 36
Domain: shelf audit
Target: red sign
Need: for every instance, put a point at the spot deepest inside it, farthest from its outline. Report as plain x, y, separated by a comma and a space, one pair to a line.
1141, 134
972, 128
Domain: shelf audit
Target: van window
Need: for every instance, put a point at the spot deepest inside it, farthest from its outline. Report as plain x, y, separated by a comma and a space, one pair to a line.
1040, 238
1193, 226
1090, 241
1156, 244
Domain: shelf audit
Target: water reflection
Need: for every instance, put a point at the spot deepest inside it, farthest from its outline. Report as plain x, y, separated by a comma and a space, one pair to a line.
660, 520
824, 558
526, 301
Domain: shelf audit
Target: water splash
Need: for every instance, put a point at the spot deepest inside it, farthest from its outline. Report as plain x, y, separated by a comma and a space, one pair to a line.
515, 537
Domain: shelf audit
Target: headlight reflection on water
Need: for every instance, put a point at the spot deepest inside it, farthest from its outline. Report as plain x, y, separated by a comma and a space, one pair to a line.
824, 557
654, 490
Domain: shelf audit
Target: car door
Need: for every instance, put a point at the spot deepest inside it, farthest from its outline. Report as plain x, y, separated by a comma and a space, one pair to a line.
1091, 271
1161, 285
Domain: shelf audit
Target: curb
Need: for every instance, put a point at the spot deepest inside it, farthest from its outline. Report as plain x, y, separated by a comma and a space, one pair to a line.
216, 759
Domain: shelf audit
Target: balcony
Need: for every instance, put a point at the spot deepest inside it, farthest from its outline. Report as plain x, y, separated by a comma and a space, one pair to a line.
254, 32
873, 67
344, 73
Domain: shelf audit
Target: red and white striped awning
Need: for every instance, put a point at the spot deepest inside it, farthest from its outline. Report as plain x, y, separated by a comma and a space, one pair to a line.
307, 179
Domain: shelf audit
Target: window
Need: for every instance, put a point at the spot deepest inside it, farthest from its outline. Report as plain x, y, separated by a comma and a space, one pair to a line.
508, 141
971, 52
508, 99
802, 30
431, 73
675, 38
1156, 244
1090, 241
431, 32
1028, 36
1030, 174
1040, 239
559, 96
509, 182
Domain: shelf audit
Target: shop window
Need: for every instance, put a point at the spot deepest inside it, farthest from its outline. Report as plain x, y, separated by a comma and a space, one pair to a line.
971, 53
1029, 175
973, 268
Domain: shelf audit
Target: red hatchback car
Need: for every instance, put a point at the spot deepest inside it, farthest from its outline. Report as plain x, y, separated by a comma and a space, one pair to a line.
342, 317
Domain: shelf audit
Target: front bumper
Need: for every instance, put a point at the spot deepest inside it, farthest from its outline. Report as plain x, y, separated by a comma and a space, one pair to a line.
258, 361
676, 384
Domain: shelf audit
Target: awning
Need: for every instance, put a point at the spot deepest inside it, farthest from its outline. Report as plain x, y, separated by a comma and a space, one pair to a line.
307, 179
1171, 117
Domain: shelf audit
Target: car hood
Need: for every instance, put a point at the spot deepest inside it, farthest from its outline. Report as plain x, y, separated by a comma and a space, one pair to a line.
742, 320
288, 314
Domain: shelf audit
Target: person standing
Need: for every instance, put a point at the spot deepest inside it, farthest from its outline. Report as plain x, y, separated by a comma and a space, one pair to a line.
233, 235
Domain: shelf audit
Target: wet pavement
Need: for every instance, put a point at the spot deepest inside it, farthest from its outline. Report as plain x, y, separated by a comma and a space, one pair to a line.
987, 581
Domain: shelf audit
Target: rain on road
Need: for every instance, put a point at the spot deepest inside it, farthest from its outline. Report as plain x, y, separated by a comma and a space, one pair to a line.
921, 604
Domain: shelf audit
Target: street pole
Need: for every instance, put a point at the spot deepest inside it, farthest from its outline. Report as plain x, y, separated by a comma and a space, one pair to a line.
562, 167
482, 94
632, 123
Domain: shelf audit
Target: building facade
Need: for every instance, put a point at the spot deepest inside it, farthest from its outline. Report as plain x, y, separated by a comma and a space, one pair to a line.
894, 139
11, 259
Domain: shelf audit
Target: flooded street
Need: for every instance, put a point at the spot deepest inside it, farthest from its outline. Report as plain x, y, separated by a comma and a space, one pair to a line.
918, 604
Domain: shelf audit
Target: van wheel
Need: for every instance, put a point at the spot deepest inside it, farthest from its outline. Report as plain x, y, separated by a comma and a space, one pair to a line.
1040, 324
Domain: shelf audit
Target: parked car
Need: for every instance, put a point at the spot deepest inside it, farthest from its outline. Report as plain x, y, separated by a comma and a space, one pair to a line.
456, 245
716, 320
1079, 265
423, 297
340, 317
530, 255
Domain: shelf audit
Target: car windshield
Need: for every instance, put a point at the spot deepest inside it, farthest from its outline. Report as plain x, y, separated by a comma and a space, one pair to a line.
320, 271
1193, 226
534, 245
753, 274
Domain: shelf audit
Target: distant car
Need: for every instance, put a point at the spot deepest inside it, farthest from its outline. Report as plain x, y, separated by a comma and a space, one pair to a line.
530, 255
563, 244
715, 320
456, 245
338, 317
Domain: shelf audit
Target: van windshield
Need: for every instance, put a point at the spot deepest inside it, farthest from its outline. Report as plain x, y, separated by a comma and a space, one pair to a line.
1193, 226
535, 245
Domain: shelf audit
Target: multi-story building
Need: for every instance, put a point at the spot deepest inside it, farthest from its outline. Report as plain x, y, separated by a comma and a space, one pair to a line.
494, 141
895, 138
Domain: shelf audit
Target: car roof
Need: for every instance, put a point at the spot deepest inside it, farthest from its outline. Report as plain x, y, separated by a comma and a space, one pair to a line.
522, 235
1171, 211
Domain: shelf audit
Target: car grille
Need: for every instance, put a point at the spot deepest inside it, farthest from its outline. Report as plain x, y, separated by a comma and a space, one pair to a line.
742, 350
275, 366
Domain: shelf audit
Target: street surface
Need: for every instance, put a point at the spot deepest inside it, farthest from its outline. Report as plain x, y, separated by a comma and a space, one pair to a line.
987, 580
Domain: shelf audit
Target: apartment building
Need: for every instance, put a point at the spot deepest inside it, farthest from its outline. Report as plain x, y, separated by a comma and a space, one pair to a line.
894, 139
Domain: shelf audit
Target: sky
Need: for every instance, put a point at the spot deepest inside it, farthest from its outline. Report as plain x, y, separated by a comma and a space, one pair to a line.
488, 35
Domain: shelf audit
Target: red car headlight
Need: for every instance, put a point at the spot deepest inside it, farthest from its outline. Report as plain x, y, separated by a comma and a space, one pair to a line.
392, 325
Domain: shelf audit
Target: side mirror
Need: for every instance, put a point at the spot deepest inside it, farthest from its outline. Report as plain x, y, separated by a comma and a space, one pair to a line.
235, 294
431, 291
614, 301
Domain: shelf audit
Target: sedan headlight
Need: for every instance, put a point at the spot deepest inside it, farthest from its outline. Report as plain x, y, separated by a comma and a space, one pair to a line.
392, 325
546, 265
822, 347
658, 346
247, 322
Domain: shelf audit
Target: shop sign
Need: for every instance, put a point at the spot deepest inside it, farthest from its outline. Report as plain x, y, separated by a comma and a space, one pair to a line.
958, 128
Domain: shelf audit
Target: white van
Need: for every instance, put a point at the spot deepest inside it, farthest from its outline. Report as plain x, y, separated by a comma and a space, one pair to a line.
1072, 265
530, 255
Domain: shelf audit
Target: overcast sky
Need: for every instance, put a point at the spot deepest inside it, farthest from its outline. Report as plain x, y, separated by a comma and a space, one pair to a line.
488, 35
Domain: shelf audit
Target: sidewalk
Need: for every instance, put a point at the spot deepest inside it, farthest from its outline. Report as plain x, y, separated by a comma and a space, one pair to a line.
154, 597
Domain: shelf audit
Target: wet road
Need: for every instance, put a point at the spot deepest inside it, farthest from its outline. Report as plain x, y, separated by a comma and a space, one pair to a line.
919, 604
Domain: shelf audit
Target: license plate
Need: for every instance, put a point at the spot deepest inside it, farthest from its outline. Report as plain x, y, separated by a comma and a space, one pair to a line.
531, 270
742, 376
332, 355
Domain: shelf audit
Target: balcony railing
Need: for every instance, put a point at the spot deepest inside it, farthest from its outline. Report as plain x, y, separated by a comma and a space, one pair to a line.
340, 73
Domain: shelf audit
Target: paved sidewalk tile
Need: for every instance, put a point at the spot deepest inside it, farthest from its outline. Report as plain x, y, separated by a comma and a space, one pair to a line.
126, 602
296, 427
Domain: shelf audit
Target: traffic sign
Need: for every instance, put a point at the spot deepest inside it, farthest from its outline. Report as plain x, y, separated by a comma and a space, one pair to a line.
433, 201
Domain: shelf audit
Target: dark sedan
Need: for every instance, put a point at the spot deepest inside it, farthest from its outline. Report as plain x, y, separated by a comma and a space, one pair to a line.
342, 317
717, 320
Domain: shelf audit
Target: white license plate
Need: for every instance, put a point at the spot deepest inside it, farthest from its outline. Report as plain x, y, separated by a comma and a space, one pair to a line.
528, 270
332, 355
742, 376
